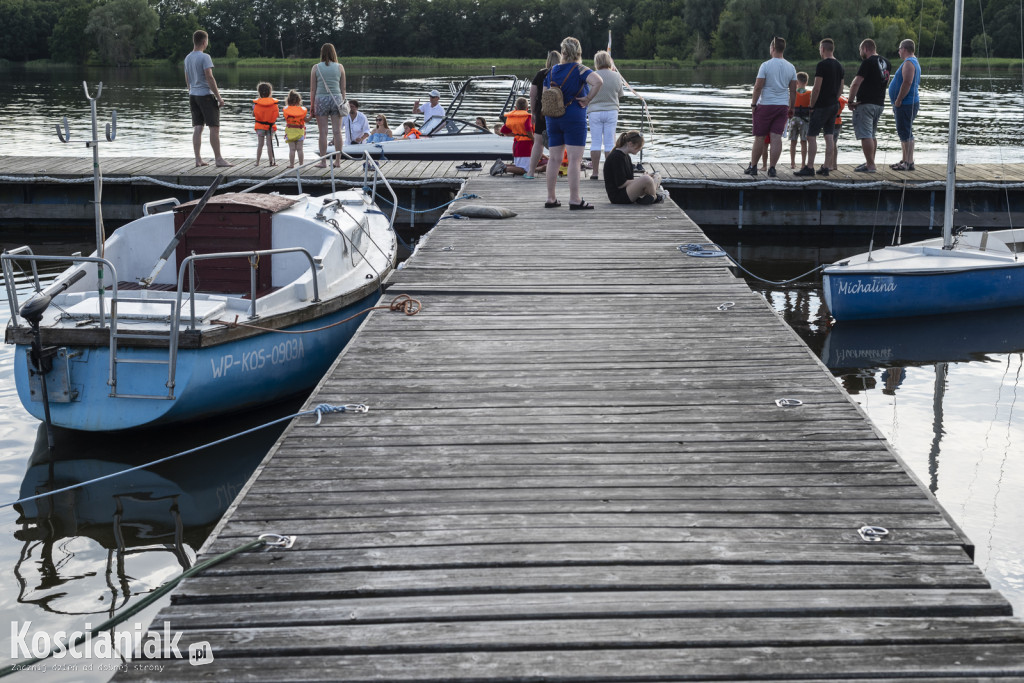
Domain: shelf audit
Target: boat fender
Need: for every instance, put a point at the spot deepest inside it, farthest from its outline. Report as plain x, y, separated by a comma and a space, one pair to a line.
483, 211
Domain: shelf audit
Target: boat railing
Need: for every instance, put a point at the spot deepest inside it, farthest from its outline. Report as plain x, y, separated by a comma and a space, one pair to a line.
8, 258
329, 158
370, 165
253, 256
9, 277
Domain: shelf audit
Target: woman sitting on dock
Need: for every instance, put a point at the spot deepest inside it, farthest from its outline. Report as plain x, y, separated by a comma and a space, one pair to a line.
620, 183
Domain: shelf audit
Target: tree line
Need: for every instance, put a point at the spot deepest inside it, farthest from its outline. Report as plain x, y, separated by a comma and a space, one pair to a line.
690, 31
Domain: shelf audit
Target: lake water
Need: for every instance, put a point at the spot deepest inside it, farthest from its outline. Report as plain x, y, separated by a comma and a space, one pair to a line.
696, 116
945, 394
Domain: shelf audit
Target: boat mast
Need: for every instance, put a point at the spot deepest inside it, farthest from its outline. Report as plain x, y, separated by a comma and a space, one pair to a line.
954, 102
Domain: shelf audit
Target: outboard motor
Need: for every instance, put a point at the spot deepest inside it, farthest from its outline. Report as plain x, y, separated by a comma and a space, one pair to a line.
42, 358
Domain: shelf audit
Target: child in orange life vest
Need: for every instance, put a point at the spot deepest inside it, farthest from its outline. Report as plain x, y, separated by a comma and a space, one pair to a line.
295, 127
519, 124
411, 132
265, 111
839, 127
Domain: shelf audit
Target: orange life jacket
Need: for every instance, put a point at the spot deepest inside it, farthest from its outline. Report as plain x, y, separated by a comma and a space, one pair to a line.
516, 120
265, 111
839, 112
413, 134
295, 116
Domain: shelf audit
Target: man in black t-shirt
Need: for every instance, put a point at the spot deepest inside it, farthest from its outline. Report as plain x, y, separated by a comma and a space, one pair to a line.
828, 86
867, 99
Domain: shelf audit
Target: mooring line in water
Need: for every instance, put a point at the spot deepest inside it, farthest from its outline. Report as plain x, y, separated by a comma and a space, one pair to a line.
265, 540
319, 411
402, 302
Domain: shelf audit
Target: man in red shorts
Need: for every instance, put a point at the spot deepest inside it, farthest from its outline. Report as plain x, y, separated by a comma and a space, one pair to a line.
772, 102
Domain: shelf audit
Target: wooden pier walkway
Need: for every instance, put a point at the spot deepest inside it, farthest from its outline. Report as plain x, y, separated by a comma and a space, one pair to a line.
574, 469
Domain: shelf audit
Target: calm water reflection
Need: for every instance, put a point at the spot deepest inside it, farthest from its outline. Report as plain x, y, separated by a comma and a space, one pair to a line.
81, 555
701, 115
943, 391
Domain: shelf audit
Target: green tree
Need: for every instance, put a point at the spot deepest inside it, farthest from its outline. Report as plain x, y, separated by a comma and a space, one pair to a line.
65, 41
179, 19
122, 30
26, 27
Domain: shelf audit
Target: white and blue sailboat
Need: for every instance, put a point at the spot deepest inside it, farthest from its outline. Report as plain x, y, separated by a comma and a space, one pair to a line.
257, 299
211, 307
970, 272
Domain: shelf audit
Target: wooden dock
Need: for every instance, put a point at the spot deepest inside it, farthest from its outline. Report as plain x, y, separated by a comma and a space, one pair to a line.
731, 206
574, 469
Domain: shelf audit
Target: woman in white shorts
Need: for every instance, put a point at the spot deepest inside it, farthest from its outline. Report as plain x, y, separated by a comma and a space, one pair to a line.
603, 111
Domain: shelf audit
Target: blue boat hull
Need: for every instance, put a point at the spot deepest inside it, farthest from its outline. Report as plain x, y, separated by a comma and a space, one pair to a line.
219, 379
859, 296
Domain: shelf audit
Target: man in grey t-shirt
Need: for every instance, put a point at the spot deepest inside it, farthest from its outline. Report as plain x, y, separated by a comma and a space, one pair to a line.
772, 104
204, 98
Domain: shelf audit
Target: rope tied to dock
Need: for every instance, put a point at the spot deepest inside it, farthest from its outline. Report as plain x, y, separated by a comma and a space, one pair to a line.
269, 540
464, 195
403, 302
320, 410
713, 250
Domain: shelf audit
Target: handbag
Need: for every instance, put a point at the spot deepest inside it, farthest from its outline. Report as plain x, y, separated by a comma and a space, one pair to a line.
552, 100
342, 104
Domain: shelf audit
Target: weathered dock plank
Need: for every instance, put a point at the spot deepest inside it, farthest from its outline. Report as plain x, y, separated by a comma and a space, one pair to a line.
573, 468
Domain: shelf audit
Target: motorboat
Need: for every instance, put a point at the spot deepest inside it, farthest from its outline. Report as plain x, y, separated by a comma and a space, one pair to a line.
455, 137
971, 271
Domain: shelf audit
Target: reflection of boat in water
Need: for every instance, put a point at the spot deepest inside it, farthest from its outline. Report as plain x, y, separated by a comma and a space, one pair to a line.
454, 138
924, 340
93, 549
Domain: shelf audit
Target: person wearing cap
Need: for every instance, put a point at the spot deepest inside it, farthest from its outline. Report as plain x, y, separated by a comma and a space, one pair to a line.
433, 112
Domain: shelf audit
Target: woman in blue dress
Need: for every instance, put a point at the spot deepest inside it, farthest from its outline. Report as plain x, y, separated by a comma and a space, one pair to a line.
382, 133
568, 132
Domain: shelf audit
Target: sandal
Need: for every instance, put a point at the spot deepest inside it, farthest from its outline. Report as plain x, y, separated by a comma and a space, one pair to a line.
902, 166
593, 176
582, 206
552, 205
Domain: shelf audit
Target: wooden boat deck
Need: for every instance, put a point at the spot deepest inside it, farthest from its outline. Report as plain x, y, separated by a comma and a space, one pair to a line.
573, 468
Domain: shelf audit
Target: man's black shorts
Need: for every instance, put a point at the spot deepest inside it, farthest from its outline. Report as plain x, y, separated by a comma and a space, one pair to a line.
823, 120
205, 111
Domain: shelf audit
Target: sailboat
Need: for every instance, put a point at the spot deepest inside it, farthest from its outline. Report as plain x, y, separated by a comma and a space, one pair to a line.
970, 272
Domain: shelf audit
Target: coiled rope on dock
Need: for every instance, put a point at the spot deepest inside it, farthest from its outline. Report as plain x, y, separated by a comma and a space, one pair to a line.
403, 302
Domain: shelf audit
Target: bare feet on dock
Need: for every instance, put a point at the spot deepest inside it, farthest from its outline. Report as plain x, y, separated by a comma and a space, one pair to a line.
223, 162
273, 163
321, 165
200, 162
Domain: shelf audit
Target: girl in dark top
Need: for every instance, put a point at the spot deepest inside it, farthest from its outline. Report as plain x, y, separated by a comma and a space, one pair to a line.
619, 182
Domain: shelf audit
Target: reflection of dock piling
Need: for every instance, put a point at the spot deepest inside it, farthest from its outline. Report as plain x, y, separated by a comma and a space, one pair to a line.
574, 468
730, 206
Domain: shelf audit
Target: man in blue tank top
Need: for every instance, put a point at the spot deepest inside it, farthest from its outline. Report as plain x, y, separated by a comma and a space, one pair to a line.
903, 93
